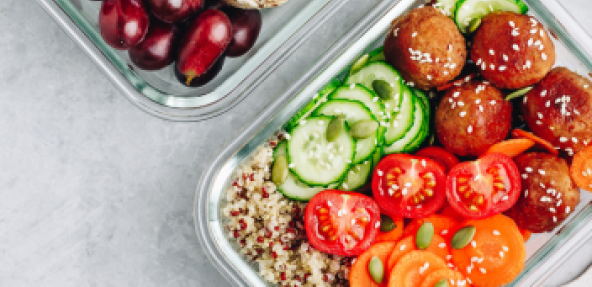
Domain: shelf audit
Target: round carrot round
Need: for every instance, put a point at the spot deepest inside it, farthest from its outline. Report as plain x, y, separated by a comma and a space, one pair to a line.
454, 278
518, 134
439, 247
359, 274
512, 147
443, 225
581, 169
495, 255
413, 268
394, 234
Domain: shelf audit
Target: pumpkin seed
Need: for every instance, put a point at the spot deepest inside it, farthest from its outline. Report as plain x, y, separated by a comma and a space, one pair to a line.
518, 93
441, 283
335, 127
463, 236
424, 236
280, 170
363, 129
359, 64
376, 269
386, 224
383, 89
474, 25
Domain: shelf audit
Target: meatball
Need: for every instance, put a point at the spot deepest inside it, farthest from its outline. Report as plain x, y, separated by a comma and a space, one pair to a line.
426, 47
512, 51
559, 110
471, 118
549, 194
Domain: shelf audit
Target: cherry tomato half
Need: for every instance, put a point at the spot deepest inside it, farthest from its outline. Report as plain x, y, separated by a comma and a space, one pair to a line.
440, 155
341, 223
408, 186
482, 188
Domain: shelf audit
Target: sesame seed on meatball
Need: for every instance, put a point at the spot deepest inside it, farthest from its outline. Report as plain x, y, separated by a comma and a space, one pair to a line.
512, 51
426, 47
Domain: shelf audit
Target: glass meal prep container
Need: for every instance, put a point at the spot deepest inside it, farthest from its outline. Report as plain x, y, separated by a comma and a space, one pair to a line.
160, 93
545, 252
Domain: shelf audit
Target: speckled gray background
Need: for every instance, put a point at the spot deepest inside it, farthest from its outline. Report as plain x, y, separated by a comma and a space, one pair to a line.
95, 192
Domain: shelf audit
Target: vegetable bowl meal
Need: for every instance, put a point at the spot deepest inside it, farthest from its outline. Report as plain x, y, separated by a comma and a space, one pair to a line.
430, 164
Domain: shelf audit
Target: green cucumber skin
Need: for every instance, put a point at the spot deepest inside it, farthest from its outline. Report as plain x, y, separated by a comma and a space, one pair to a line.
414, 145
413, 99
377, 55
340, 179
312, 105
409, 144
523, 9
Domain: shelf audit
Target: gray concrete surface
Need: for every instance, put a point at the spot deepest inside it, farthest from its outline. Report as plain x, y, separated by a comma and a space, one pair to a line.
95, 192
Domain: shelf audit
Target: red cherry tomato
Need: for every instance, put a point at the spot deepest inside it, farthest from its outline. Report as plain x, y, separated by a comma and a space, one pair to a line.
408, 186
482, 188
342, 223
440, 155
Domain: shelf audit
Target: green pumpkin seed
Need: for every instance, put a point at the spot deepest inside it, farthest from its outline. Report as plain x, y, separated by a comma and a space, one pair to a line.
280, 170
335, 127
463, 236
363, 129
386, 224
424, 236
376, 269
359, 64
383, 89
441, 283
518, 93
474, 25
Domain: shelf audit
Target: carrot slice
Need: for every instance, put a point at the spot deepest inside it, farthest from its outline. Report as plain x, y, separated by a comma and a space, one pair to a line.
414, 267
518, 133
496, 254
450, 212
512, 147
581, 168
439, 247
443, 225
394, 234
454, 278
359, 275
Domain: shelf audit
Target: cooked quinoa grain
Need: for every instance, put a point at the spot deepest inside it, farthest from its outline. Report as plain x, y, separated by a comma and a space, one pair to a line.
270, 229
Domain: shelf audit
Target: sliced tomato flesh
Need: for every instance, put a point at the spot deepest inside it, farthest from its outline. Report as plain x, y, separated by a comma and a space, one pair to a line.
342, 223
408, 186
484, 187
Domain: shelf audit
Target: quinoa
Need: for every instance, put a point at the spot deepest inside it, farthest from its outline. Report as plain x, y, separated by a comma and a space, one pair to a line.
269, 229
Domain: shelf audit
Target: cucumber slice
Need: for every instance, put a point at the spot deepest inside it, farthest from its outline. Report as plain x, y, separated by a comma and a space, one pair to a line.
318, 99
357, 176
357, 92
419, 120
293, 188
313, 159
376, 55
447, 6
403, 119
467, 10
425, 101
376, 157
423, 133
380, 71
353, 111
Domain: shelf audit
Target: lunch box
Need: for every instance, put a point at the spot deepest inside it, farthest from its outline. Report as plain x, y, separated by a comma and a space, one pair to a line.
159, 93
545, 252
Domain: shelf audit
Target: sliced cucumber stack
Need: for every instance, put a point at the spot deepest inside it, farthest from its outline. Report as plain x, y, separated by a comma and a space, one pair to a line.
354, 113
319, 98
292, 187
357, 176
468, 10
414, 136
376, 55
402, 121
374, 71
315, 160
447, 6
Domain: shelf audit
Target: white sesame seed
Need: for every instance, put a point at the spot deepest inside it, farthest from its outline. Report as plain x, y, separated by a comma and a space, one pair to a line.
512, 24
525, 176
515, 32
515, 47
379, 172
496, 232
491, 52
448, 257
469, 268
470, 129
540, 115
559, 203
352, 86
544, 56
530, 41
414, 34
456, 94
567, 209
504, 198
473, 243
492, 66
501, 254
554, 219
377, 225
482, 270
542, 172
462, 114
483, 66
444, 232
478, 62
505, 248
563, 139
461, 104
552, 210
533, 31
493, 102
474, 259
526, 193
402, 247
442, 245
539, 123
502, 68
